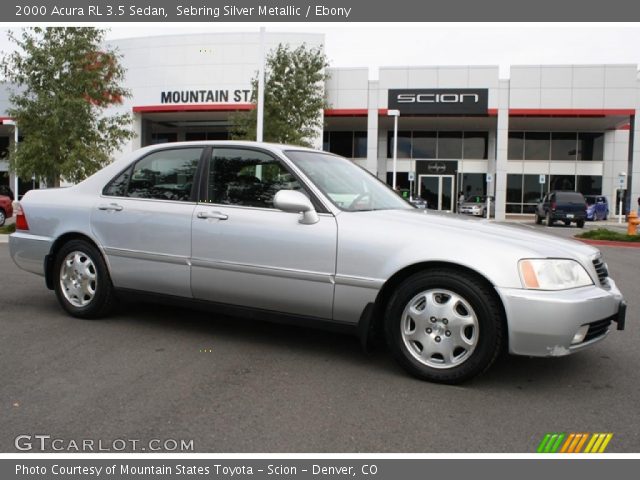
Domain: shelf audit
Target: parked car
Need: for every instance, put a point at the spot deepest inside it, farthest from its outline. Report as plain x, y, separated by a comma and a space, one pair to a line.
597, 207
419, 202
6, 191
564, 205
477, 205
316, 241
6, 209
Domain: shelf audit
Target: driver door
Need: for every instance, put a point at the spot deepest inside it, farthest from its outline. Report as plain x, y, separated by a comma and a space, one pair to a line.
246, 252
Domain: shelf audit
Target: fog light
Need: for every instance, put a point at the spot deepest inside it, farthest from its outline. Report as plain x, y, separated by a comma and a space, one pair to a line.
580, 334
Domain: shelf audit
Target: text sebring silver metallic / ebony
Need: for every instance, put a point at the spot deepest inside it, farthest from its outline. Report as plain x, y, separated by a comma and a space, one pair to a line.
304, 236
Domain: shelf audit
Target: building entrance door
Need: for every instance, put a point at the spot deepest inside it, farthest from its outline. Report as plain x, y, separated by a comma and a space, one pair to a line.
437, 190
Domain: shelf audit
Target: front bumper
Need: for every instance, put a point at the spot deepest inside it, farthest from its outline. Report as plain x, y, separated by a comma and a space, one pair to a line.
543, 324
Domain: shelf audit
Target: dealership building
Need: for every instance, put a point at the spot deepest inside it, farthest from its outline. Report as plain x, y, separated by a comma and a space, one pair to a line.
460, 128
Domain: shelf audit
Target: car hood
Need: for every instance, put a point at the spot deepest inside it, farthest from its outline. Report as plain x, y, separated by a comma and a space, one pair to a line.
478, 232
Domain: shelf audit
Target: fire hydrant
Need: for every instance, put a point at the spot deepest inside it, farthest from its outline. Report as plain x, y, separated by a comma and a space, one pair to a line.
632, 228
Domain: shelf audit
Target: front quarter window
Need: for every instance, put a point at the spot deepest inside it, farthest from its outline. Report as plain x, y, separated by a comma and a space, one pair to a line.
348, 186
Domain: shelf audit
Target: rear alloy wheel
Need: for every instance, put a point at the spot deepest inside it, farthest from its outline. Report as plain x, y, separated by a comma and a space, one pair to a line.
3, 217
82, 281
444, 326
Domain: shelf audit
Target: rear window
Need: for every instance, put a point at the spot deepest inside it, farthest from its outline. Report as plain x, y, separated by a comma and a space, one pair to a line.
569, 197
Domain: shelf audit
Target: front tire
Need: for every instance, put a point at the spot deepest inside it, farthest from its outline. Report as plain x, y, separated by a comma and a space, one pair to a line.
3, 217
538, 219
81, 280
549, 220
444, 326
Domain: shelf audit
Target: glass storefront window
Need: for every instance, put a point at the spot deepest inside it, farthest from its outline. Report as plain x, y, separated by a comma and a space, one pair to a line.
424, 144
404, 144
563, 146
531, 188
516, 146
590, 184
590, 146
474, 184
341, 143
359, 144
450, 145
514, 188
475, 145
513, 208
562, 182
347, 144
537, 145
325, 141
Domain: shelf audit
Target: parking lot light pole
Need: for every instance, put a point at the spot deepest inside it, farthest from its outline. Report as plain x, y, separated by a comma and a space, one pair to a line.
15, 139
395, 114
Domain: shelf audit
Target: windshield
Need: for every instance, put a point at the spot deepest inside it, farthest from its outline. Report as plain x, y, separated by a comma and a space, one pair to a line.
348, 186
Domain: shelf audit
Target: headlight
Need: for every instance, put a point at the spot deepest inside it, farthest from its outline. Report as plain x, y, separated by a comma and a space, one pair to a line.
553, 274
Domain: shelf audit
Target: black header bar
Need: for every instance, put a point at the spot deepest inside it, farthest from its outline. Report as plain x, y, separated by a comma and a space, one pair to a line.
86, 11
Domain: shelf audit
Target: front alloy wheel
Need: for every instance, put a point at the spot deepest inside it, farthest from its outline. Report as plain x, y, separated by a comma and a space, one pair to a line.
439, 328
444, 325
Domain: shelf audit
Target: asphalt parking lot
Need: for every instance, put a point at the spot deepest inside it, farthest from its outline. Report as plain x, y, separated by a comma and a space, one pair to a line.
154, 372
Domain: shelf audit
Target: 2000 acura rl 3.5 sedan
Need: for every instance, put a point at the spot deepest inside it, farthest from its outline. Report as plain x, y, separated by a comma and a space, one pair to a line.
304, 236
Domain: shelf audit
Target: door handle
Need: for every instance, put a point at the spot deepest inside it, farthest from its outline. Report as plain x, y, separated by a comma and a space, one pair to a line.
111, 206
216, 215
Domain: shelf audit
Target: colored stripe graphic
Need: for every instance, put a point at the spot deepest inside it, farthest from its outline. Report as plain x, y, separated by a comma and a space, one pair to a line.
573, 442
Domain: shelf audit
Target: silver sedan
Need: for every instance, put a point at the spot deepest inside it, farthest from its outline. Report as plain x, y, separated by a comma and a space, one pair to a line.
296, 235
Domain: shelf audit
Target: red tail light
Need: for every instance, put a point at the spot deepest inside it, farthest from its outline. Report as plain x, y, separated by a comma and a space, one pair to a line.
21, 219
553, 205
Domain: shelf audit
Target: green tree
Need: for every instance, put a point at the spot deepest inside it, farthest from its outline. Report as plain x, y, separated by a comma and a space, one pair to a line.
293, 97
63, 80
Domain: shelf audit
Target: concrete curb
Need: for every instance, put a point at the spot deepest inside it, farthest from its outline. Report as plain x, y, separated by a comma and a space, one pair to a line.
609, 243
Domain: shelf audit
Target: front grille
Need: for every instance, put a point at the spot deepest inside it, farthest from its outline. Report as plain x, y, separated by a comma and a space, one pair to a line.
598, 329
601, 270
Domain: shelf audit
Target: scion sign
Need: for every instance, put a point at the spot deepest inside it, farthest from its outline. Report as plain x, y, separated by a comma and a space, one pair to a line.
440, 101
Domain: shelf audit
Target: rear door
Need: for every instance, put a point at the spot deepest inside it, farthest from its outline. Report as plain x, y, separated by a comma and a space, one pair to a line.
143, 221
246, 252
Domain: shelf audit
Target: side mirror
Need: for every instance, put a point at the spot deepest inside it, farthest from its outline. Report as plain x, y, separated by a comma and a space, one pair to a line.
296, 202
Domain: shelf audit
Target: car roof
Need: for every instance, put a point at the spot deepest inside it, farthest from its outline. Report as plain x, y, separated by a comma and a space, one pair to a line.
229, 143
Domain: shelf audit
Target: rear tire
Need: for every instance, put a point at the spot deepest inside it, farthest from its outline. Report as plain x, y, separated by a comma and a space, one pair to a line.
538, 219
549, 220
81, 280
567, 223
444, 326
3, 217
580, 223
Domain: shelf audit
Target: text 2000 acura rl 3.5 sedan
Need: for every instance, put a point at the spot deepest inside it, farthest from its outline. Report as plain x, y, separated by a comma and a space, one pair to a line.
304, 236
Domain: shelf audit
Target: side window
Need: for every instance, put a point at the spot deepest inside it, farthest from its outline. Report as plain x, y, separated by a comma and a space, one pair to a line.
163, 175
247, 178
118, 186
